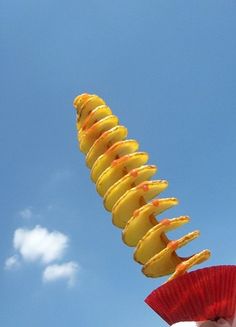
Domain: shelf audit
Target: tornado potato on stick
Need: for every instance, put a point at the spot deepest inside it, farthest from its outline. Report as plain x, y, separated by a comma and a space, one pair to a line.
122, 177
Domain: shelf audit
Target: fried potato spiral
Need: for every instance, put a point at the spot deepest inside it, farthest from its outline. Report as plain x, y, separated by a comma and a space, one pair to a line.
123, 178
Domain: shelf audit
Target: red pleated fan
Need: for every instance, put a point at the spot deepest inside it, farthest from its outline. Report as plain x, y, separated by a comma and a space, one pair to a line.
204, 294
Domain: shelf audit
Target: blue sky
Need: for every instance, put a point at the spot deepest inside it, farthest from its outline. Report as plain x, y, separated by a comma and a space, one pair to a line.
167, 70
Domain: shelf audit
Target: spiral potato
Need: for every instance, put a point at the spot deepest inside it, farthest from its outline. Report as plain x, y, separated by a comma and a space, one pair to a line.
123, 178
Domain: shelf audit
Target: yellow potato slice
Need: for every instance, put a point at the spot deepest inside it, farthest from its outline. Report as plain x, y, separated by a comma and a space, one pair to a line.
81, 99
96, 130
117, 150
85, 105
118, 169
144, 219
95, 115
133, 178
196, 259
166, 261
135, 198
104, 142
153, 242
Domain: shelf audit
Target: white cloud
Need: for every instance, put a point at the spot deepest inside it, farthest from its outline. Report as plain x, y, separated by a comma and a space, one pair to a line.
40, 244
26, 213
66, 271
12, 262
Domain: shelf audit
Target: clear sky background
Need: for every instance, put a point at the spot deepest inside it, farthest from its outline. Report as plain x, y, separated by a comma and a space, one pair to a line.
167, 70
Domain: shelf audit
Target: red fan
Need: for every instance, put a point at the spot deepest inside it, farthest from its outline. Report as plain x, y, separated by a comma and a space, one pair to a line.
204, 294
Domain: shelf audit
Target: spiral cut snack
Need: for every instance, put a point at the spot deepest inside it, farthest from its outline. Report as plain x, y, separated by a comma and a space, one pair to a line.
122, 177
